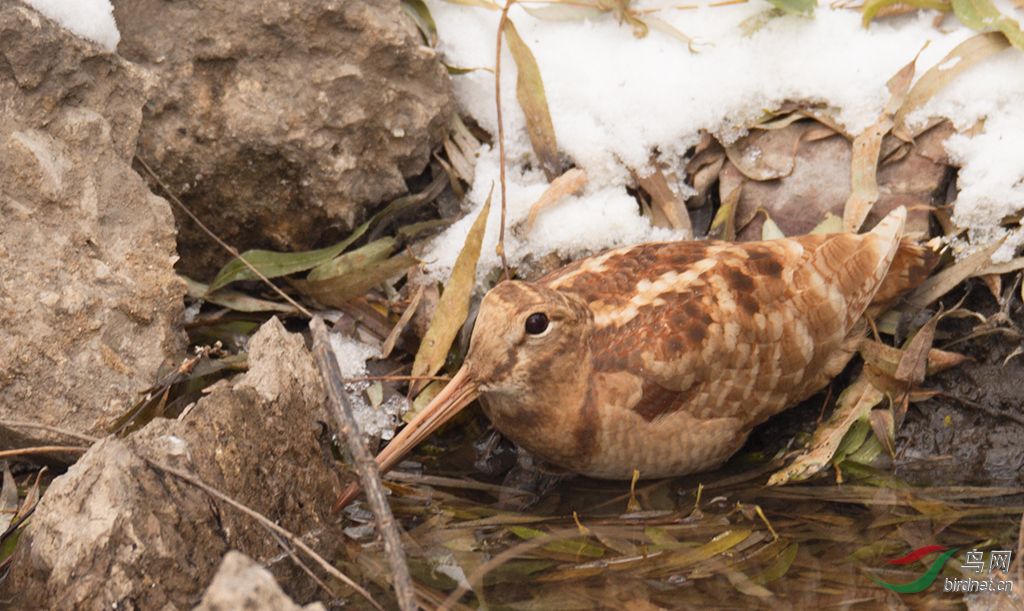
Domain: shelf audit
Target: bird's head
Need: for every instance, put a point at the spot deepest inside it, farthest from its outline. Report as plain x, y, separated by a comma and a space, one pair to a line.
525, 336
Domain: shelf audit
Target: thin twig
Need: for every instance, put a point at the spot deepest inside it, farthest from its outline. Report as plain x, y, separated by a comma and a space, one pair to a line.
266, 523
366, 466
41, 450
302, 565
231, 250
24, 424
501, 136
395, 378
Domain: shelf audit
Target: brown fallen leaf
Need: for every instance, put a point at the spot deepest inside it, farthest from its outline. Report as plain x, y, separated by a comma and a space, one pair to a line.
944, 281
957, 61
567, 184
767, 154
403, 320
453, 306
914, 363
670, 210
866, 149
855, 403
730, 188
534, 102
339, 290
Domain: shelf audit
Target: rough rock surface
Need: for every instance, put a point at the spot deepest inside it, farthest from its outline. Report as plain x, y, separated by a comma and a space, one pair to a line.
116, 533
89, 305
241, 583
280, 122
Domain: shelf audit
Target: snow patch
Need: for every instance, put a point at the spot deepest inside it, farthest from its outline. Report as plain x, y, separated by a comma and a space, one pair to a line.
615, 99
375, 421
91, 19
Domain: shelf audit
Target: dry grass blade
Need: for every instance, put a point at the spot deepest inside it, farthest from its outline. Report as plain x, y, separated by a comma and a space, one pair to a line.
534, 102
366, 466
25, 424
957, 61
453, 307
866, 148
666, 203
567, 184
854, 404
941, 283
723, 227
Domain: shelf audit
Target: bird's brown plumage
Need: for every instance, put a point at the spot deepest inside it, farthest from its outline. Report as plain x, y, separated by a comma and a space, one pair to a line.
662, 357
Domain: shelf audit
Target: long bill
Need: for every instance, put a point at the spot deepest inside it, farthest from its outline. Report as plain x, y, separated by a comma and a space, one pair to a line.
457, 394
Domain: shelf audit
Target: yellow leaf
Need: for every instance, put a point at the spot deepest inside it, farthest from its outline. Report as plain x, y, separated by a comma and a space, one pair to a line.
534, 102
453, 307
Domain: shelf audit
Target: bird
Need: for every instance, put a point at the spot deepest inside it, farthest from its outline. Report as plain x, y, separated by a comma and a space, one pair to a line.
660, 358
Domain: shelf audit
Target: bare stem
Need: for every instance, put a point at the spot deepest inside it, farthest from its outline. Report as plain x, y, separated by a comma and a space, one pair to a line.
366, 466
501, 136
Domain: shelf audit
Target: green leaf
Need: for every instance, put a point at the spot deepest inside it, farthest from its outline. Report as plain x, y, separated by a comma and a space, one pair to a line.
424, 21
983, 15
357, 259
453, 307
795, 7
534, 102
337, 290
573, 547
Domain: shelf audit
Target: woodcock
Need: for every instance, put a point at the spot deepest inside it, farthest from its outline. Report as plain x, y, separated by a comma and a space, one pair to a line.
662, 357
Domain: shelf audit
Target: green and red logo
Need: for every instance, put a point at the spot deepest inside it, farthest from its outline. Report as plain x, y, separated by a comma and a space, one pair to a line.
925, 580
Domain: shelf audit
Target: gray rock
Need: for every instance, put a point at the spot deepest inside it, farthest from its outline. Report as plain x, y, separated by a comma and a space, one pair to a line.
279, 123
116, 533
241, 583
89, 304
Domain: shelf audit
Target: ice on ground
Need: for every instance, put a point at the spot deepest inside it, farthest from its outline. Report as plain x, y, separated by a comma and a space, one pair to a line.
616, 99
91, 19
375, 421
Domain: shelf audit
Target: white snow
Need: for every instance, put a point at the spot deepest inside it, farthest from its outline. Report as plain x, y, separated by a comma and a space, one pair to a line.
90, 19
375, 421
615, 98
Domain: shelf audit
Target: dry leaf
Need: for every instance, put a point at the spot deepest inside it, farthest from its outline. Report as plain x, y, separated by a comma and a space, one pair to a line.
983, 15
665, 202
914, 362
944, 281
534, 102
854, 404
567, 184
961, 58
866, 148
453, 306
337, 291
770, 231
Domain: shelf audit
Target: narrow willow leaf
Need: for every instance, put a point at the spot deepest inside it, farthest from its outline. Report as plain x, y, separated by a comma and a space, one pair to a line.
872, 8
957, 61
983, 15
778, 568
534, 102
723, 227
572, 547
565, 185
795, 7
564, 12
670, 208
866, 148
424, 20
357, 259
338, 290
8, 498
453, 307
853, 406
276, 264
659, 24
941, 283
235, 300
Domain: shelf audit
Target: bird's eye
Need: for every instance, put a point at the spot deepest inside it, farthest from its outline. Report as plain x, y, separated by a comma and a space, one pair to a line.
537, 323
